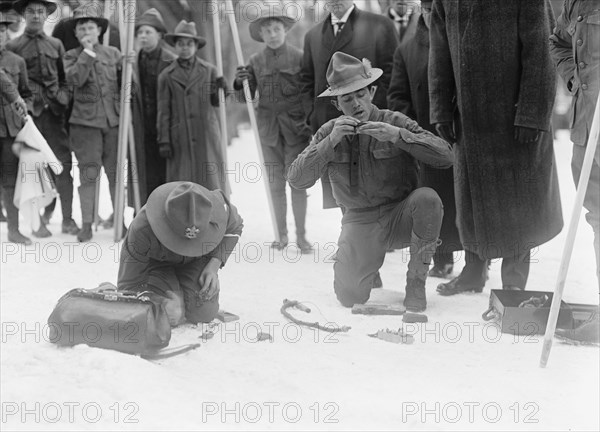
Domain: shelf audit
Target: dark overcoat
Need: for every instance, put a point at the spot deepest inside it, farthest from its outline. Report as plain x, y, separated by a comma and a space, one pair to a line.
150, 166
490, 70
365, 35
190, 123
409, 94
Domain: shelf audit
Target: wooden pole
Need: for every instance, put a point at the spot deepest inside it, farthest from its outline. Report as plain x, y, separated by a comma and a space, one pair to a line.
230, 11
134, 186
124, 119
222, 107
586, 169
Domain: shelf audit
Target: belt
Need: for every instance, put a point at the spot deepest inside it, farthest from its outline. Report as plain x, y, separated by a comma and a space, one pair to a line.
368, 209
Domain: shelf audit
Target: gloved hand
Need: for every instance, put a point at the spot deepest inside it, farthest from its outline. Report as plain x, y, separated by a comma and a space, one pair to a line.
221, 83
242, 73
446, 131
165, 150
526, 135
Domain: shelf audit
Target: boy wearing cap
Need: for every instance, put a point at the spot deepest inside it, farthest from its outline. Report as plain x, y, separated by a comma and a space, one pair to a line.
283, 134
44, 58
93, 72
152, 59
175, 247
189, 133
371, 158
14, 90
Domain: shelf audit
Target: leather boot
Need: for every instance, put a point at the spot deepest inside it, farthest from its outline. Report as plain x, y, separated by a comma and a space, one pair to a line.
12, 218
85, 234
586, 333
421, 253
472, 277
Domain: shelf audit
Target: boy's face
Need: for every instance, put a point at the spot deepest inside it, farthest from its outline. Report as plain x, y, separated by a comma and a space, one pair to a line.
273, 33
339, 7
148, 37
356, 104
35, 15
88, 30
3, 35
185, 47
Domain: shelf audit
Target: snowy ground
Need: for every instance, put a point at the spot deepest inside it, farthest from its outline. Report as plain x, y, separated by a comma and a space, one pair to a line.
460, 374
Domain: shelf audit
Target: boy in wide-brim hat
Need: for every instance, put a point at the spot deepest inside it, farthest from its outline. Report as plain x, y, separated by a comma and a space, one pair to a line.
189, 133
274, 72
371, 158
93, 71
175, 247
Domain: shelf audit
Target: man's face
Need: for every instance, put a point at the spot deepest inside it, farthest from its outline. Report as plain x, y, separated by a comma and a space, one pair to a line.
35, 14
148, 37
273, 33
87, 29
402, 6
339, 7
185, 47
3, 35
357, 104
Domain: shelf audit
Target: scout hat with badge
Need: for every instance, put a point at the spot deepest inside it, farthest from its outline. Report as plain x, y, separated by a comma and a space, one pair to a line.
347, 74
187, 218
185, 30
152, 18
20, 5
88, 12
272, 12
8, 16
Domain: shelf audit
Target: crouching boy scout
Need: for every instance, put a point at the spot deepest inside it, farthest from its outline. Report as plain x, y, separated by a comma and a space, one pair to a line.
175, 247
274, 71
371, 157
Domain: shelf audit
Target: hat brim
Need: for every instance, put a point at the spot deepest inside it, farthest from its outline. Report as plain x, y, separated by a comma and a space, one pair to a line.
159, 28
174, 241
20, 5
255, 25
170, 38
353, 86
72, 23
7, 18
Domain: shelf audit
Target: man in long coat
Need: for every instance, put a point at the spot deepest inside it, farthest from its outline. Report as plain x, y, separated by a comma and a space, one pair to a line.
353, 31
492, 86
189, 134
409, 94
153, 58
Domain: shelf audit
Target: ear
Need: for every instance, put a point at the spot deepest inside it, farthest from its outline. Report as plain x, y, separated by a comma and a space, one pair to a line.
372, 92
334, 102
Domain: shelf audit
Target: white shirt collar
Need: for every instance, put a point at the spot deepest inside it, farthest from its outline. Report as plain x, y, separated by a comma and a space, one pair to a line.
335, 20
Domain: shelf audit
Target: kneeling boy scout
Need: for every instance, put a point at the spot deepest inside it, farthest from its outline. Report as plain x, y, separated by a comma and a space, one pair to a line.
370, 156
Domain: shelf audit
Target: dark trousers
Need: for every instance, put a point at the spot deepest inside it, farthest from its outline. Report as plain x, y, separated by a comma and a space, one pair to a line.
514, 271
9, 167
278, 159
53, 129
94, 148
180, 285
368, 233
592, 196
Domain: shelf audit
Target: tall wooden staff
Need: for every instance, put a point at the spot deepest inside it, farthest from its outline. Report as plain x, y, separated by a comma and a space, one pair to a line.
124, 118
222, 107
586, 169
248, 96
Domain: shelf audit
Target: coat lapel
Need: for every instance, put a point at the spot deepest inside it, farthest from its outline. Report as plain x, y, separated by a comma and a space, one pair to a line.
347, 33
328, 39
178, 75
196, 74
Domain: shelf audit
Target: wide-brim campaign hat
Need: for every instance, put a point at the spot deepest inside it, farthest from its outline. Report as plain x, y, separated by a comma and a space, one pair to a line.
272, 12
89, 12
152, 18
347, 74
8, 17
20, 5
187, 218
185, 30
6, 5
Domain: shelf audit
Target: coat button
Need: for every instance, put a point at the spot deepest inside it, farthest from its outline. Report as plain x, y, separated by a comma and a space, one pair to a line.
584, 86
581, 65
579, 18
579, 42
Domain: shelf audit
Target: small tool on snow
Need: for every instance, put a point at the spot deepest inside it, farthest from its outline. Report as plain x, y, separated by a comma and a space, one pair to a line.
296, 304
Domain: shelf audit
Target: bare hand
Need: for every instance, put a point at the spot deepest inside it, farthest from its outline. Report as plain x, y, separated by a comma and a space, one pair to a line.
20, 107
209, 280
446, 131
380, 131
344, 125
130, 58
86, 42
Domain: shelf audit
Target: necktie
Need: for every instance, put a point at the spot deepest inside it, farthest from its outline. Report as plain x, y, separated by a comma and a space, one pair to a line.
337, 27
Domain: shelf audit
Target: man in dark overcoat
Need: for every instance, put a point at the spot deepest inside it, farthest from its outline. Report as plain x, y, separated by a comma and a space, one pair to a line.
409, 94
492, 87
405, 16
152, 59
356, 32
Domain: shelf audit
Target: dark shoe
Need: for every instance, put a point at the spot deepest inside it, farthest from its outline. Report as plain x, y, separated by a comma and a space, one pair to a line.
458, 285
47, 216
85, 234
70, 227
415, 299
281, 244
586, 333
441, 271
15, 236
378, 283
42, 232
304, 245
